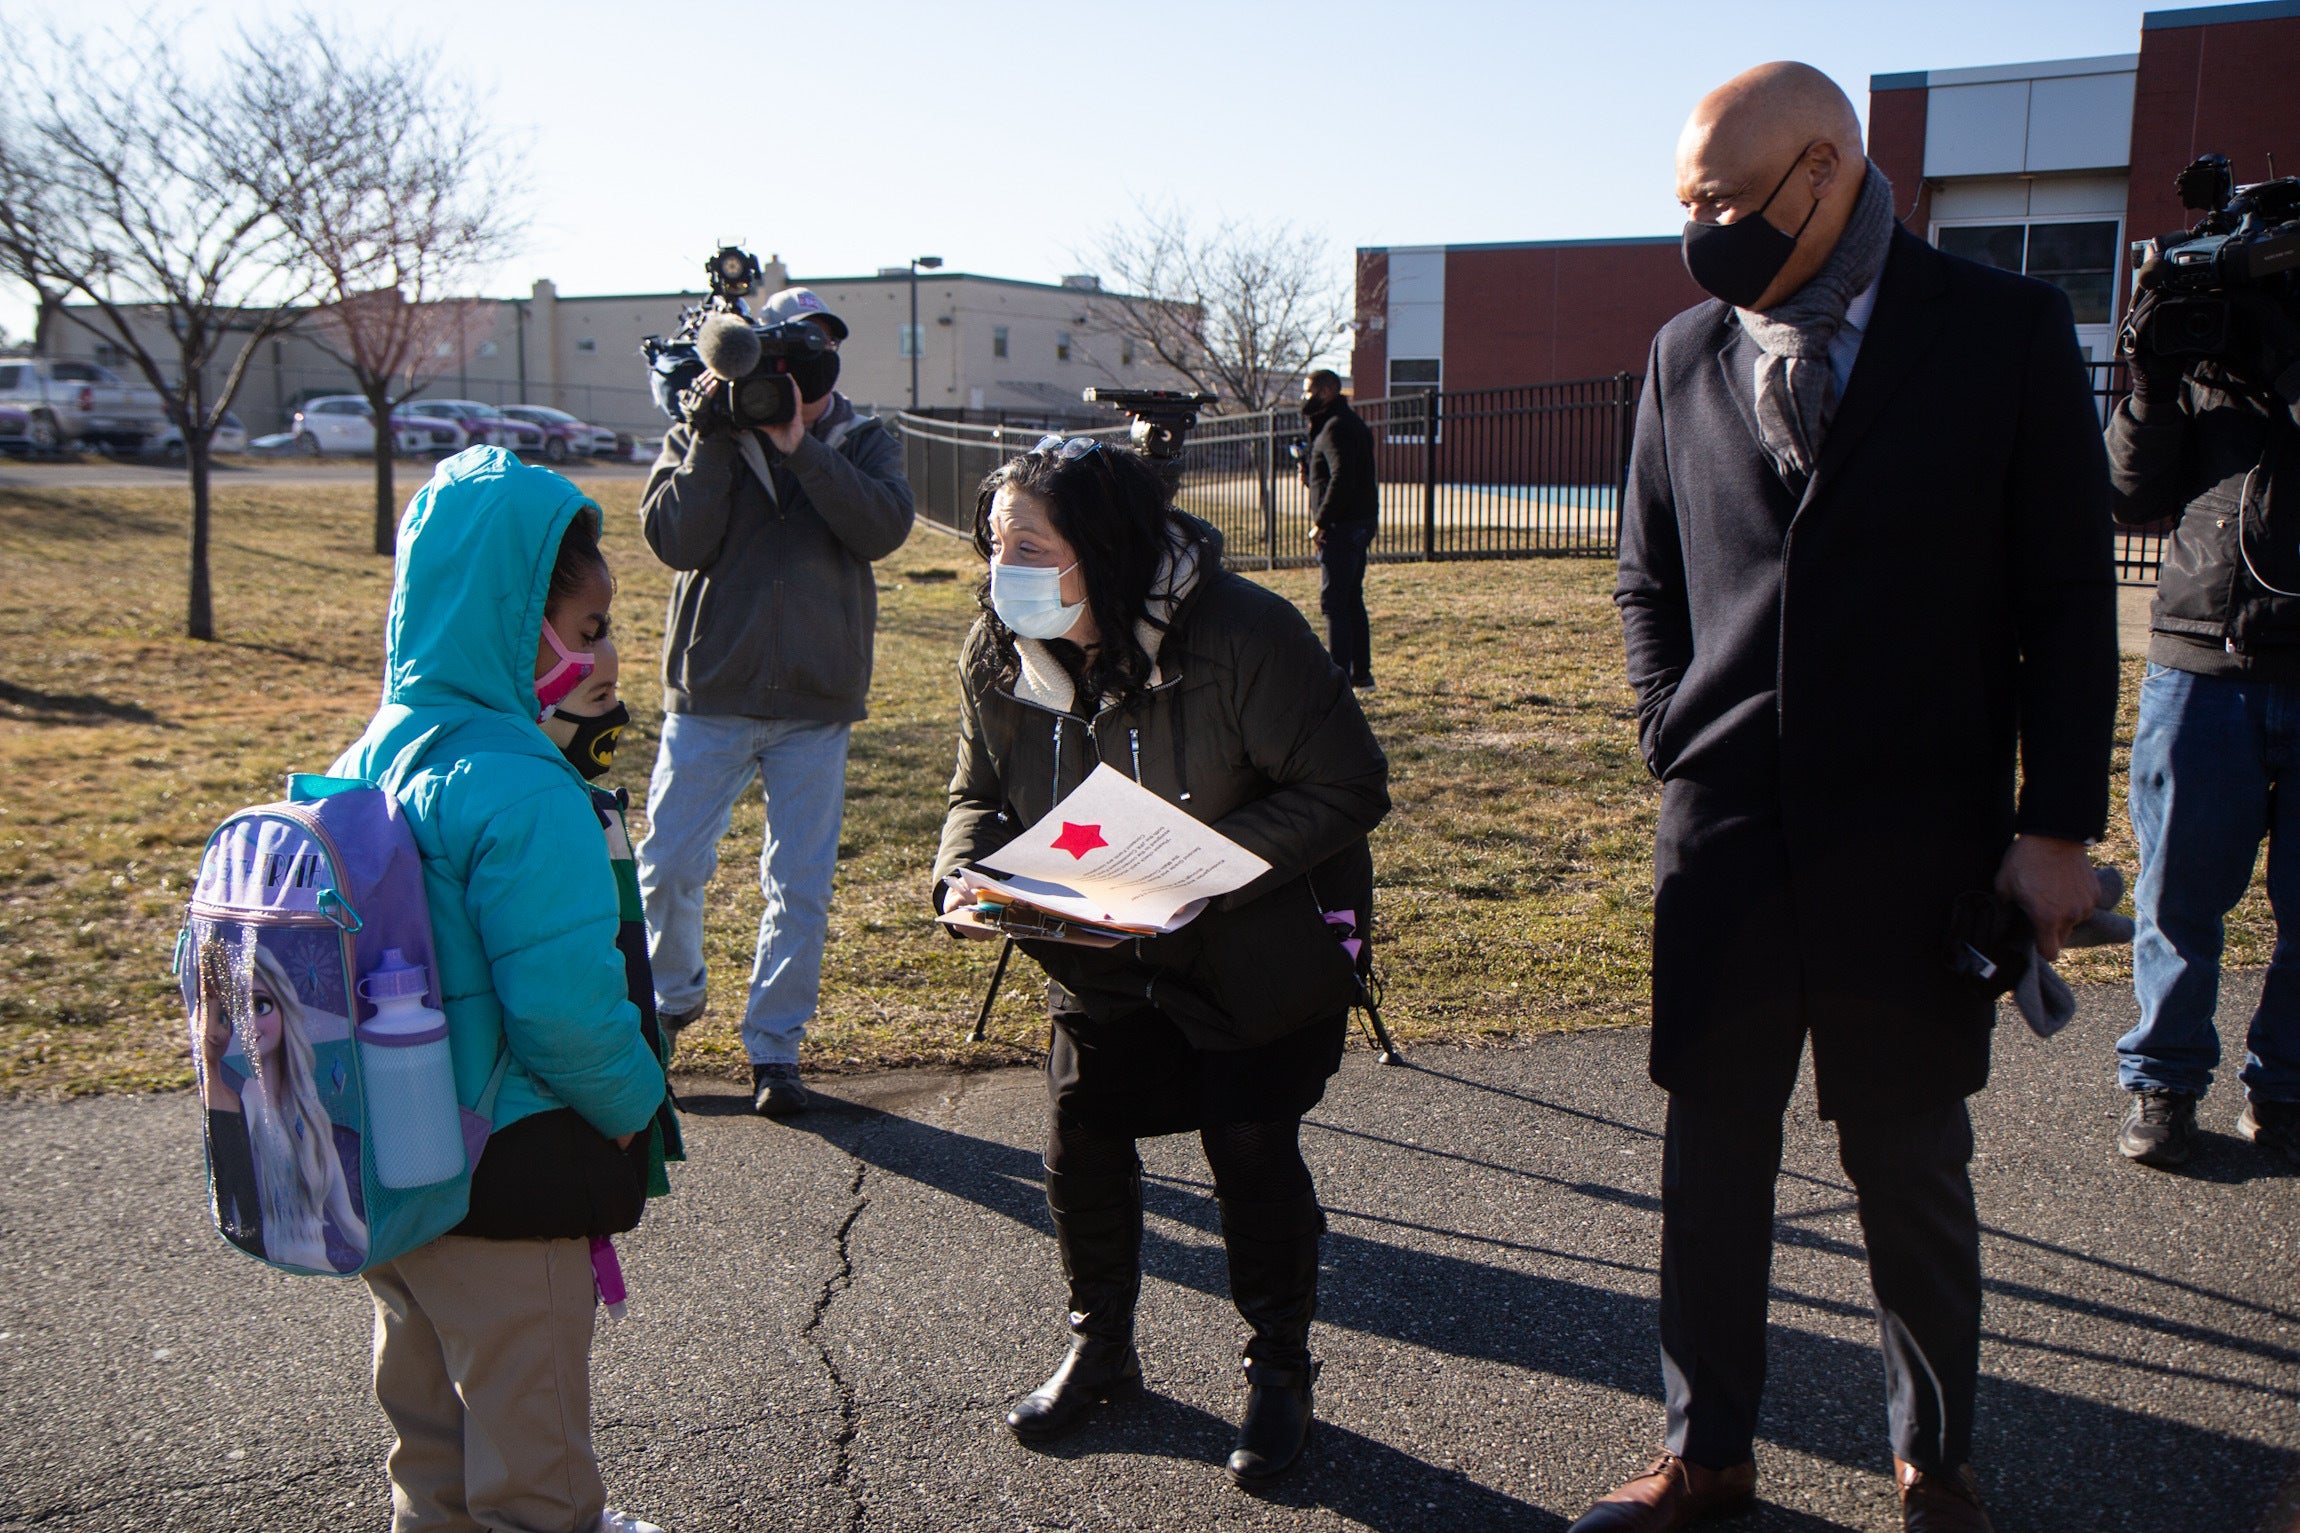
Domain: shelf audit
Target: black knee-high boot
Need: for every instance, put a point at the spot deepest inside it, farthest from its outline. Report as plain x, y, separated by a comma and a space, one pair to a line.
1273, 1250
1098, 1228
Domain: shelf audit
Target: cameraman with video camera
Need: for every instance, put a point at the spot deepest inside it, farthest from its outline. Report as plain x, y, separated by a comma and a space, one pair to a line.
773, 528
2210, 437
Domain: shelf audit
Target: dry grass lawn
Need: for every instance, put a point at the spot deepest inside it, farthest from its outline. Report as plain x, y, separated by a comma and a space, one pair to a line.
1514, 876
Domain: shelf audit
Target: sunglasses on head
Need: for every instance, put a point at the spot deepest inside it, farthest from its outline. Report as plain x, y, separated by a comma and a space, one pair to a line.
1065, 449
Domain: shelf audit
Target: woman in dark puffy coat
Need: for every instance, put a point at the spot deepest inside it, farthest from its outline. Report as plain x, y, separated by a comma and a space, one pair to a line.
1111, 633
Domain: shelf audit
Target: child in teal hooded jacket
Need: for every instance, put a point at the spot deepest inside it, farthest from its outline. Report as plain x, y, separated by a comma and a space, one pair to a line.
483, 1342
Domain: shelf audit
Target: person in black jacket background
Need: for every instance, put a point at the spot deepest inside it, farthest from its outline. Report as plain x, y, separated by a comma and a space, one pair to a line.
2214, 442
1865, 572
1345, 513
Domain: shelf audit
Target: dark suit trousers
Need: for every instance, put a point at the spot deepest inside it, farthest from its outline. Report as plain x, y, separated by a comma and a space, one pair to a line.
1342, 598
1721, 1155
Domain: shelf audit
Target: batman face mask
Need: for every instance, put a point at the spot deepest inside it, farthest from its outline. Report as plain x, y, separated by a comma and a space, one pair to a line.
592, 750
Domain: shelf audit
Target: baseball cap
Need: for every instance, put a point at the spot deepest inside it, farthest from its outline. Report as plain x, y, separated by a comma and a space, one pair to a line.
801, 303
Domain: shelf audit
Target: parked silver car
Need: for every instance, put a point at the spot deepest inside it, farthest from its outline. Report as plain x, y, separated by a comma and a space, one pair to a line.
564, 435
231, 436
70, 403
483, 425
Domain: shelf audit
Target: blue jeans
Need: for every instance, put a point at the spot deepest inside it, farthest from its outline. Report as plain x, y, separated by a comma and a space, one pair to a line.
2215, 768
705, 763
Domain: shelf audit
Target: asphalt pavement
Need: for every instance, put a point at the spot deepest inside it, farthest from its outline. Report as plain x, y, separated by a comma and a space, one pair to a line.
830, 1315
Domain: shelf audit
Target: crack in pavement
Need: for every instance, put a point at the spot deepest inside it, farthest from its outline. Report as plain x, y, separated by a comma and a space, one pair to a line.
45, 1515
842, 1468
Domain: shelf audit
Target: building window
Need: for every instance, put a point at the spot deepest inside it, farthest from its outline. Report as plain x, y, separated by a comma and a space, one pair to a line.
1412, 378
1126, 352
443, 349
111, 354
587, 343
2077, 258
489, 348
998, 340
1061, 345
912, 341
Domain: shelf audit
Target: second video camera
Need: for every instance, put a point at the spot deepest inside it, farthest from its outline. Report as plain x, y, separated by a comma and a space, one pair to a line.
2247, 241
759, 371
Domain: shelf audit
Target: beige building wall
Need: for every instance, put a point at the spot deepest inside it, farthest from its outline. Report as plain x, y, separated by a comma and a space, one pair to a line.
988, 343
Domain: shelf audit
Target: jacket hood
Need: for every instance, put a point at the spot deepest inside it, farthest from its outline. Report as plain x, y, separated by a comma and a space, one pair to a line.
476, 548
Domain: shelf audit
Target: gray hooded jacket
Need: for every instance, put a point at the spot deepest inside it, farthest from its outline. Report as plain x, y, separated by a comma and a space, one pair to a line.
775, 607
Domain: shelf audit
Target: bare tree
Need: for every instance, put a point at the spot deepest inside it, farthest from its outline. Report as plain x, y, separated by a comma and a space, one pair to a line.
396, 196
123, 208
1242, 310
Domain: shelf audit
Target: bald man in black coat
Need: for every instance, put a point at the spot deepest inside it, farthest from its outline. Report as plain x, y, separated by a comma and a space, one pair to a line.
1867, 591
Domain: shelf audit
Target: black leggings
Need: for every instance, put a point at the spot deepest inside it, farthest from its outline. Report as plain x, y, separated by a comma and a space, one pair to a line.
1252, 1162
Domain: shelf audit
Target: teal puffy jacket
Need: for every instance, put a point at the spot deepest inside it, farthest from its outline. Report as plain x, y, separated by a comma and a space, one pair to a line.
524, 907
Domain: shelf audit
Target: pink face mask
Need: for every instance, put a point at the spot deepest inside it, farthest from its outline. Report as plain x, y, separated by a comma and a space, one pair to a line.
556, 685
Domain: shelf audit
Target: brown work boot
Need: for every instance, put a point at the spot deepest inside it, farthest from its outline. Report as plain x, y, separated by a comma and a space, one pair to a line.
1940, 1501
1672, 1494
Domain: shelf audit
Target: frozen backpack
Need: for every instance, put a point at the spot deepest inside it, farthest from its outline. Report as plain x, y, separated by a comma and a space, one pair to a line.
335, 1139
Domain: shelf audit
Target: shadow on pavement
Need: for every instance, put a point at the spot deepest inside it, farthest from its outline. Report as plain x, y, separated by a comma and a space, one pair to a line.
1367, 1483
1827, 1397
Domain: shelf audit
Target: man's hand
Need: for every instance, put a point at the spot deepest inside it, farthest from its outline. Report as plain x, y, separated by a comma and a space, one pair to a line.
2054, 883
1317, 540
2155, 376
786, 437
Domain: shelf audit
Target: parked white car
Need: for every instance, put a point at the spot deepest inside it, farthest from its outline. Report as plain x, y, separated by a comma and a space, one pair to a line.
343, 423
70, 404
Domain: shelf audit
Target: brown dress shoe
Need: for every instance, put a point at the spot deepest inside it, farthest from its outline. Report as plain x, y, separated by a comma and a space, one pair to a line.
1940, 1501
1672, 1494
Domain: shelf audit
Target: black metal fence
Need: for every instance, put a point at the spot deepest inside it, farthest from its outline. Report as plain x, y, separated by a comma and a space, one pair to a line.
1473, 474
1466, 474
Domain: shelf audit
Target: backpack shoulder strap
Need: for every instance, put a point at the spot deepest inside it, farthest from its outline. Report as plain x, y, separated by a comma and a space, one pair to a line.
485, 1106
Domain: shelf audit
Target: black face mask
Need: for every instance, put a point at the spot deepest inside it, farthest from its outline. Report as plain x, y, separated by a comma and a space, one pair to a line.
1739, 260
592, 751
815, 375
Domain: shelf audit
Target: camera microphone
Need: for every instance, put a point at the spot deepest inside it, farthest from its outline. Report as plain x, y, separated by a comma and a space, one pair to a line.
728, 346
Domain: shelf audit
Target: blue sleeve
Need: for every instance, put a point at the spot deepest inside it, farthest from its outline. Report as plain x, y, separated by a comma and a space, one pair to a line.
542, 896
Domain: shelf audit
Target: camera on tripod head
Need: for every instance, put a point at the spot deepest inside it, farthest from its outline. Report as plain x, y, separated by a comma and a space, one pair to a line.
1163, 421
719, 370
2247, 242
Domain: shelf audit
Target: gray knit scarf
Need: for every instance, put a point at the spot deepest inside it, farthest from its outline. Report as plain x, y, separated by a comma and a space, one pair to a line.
1796, 389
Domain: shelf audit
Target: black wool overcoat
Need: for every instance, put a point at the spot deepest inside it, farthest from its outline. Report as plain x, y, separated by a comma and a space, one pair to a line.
1855, 691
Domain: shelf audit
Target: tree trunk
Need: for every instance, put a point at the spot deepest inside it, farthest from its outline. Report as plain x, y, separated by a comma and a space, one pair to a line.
386, 512
200, 621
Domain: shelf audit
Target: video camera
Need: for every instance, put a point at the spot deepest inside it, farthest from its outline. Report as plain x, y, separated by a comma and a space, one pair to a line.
2248, 241
1163, 420
717, 342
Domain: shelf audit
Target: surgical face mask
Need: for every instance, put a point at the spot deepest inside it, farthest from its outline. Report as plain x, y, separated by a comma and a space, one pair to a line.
592, 751
1739, 260
1028, 599
572, 670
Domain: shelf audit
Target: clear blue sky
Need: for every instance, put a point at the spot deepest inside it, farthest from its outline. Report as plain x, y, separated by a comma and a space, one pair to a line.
1002, 134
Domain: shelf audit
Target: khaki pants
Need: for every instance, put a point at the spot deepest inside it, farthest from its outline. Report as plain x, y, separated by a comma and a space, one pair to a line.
483, 1365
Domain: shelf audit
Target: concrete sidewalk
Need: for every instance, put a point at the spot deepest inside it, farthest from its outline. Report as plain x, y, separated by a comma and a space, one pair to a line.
831, 1314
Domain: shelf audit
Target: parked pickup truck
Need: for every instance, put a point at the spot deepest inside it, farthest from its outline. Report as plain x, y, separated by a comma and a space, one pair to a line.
72, 403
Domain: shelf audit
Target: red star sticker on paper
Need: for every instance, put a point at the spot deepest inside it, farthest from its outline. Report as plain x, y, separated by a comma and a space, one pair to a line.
1078, 840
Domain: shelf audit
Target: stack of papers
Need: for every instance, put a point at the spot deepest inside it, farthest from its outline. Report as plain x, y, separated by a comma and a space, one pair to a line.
1112, 861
